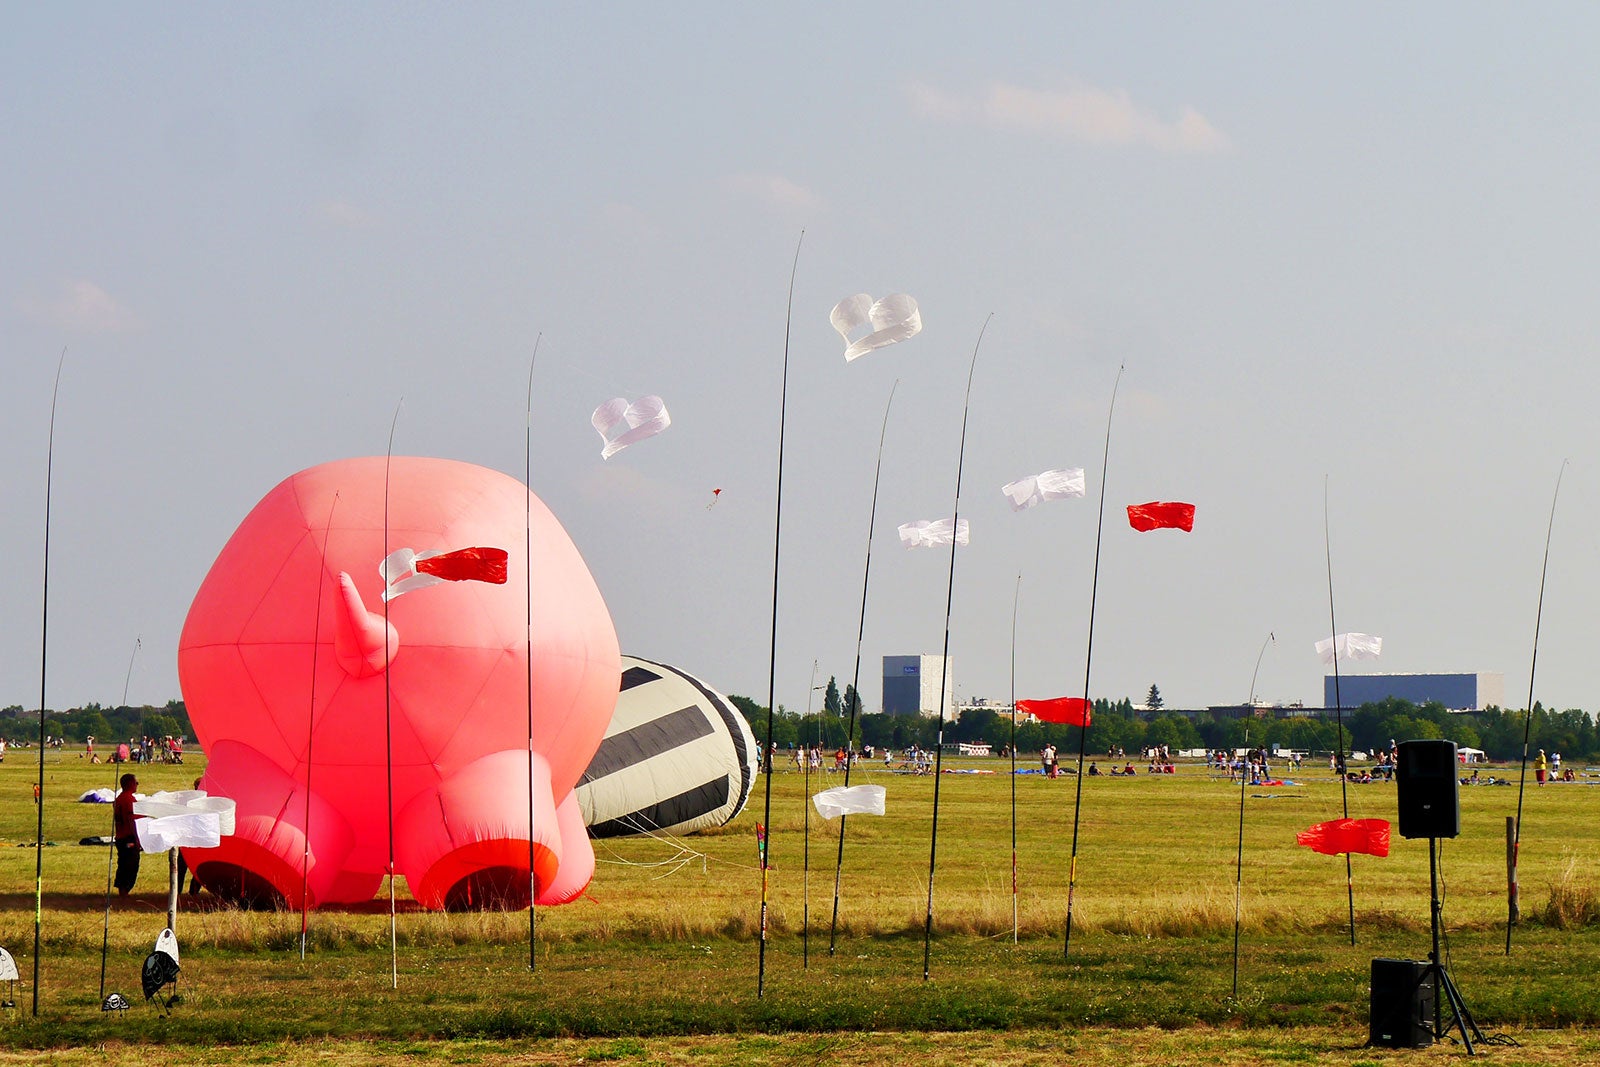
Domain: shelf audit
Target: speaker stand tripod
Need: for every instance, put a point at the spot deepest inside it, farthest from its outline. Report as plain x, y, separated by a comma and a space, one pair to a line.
1445, 990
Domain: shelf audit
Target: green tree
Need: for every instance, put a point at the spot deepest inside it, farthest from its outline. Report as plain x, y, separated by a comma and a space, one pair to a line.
852, 699
1153, 700
1174, 731
830, 699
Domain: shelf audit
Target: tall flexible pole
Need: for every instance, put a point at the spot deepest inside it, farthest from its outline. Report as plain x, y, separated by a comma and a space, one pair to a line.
1088, 664
1016, 598
944, 663
388, 711
1338, 713
805, 863
855, 682
772, 666
527, 538
111, 853
1512, 902
1238, 870
311, 733
44, 659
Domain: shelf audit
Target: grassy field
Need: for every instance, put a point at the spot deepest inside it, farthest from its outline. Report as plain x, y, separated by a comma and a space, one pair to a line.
659, 963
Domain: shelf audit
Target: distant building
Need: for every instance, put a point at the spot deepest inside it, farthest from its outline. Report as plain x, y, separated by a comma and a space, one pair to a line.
1458, 692
911, 685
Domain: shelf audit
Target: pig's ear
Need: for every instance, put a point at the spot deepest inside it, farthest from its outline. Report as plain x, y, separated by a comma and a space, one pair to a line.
365, 643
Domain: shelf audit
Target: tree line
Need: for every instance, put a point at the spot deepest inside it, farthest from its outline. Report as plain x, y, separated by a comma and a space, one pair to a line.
1369, 728
108, 726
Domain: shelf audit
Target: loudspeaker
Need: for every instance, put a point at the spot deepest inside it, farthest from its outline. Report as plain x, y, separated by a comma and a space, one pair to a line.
1403, 993
1427, 789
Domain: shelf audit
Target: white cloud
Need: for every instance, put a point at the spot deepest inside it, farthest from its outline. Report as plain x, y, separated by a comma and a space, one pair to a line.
81, 306
1083, 113
774, 190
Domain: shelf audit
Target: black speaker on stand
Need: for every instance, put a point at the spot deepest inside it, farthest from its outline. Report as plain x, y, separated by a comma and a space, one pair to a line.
1430, 806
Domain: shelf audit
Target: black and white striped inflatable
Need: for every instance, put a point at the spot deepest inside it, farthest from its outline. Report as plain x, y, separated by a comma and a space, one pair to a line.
677, 757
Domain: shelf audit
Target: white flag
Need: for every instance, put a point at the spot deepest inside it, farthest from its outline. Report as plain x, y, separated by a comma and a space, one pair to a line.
200, 830
178, 802
850, 800
894, 318
1350, 646
621, 424
1048, 485
926, 534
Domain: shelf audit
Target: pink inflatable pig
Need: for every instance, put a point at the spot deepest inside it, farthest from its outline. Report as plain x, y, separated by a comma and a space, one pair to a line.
305, 695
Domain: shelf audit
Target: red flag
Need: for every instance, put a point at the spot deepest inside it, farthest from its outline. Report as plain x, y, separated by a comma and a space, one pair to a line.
1074, 711
1161, 515
1370, 836
467, 565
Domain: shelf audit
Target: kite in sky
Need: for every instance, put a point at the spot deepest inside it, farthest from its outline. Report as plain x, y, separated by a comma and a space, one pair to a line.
1049, 485
1161, 515
621, 424
894, 318
1350, 646
716, 494
1368, 836
406, 569
1074, 711
926, 534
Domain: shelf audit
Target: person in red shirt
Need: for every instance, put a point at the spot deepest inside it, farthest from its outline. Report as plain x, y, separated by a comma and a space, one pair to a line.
124, 838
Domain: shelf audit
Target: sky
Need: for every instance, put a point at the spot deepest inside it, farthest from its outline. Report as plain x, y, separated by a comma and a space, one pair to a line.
1345, 259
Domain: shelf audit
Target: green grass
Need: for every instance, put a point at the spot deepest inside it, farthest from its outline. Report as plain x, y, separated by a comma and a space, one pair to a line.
665, 945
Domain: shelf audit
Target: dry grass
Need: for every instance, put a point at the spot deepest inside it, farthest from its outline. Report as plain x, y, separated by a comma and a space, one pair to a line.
666, 940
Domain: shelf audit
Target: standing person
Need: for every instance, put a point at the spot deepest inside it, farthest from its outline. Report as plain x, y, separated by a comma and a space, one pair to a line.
124, 838
1541, 767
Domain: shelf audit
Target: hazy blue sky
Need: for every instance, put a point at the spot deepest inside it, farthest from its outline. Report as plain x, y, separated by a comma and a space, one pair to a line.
1352, 246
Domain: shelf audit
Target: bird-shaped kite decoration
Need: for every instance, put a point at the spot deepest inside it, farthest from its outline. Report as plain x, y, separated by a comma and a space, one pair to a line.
161, 969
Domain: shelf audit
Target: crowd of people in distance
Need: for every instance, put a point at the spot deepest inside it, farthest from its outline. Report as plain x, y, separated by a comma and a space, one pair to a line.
144, 749
1255, 763
810, 758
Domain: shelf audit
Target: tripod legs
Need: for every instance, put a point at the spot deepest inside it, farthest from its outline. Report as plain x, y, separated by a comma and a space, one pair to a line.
1445, 990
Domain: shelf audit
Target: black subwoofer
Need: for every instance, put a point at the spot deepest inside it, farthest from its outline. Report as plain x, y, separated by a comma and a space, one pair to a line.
1427, 789
1403, 994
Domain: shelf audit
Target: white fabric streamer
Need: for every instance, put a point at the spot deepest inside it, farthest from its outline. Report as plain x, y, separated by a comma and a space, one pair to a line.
926, 534
199, 830
1047, 485
399, 573
1350, 646
621, 424
894, 318
178, 802
850, 800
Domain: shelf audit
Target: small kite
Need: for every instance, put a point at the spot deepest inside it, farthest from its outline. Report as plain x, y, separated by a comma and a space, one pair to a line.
894, 318
1368, 836
926, 534
406, 569
1161, 515
1350, 646
716, 494
850, 800
1049, 485
621, 424
1074, 711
